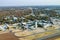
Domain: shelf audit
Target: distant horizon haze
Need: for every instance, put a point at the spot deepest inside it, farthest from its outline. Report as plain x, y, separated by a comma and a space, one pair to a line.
29, 2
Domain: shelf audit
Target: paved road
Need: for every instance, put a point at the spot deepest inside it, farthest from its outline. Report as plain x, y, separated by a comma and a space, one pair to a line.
49, 36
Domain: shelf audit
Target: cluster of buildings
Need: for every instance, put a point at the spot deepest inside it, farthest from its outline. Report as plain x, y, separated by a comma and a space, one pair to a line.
33, 24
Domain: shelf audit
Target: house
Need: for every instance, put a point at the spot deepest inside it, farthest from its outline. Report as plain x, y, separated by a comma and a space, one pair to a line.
47, 25
44, 24
43, 15
55, 21
15, 18
4, 27
30, 24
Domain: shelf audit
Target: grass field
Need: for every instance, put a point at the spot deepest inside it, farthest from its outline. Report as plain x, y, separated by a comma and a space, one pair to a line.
39, 35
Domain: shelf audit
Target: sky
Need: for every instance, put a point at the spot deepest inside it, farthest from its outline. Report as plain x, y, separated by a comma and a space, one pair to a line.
28, 2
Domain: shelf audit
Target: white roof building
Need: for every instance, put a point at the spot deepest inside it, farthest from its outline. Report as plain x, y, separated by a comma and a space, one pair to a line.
47, 25
43, 15
55, 21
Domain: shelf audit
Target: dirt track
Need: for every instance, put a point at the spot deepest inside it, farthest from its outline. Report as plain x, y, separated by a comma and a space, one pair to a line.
8, 36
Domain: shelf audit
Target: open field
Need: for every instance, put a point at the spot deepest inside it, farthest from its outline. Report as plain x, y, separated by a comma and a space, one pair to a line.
29, 34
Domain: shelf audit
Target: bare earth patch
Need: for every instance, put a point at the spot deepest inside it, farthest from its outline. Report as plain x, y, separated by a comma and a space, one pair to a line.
8, 36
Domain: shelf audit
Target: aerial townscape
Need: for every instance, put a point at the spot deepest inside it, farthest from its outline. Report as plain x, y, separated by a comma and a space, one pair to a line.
30, 23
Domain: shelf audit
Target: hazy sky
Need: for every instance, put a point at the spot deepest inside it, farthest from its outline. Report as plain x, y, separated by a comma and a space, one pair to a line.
28, 2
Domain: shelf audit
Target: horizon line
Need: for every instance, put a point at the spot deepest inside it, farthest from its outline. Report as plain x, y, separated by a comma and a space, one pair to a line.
29, 5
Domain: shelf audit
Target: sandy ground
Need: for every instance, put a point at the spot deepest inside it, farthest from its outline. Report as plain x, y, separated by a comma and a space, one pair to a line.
56, 26
27, 32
